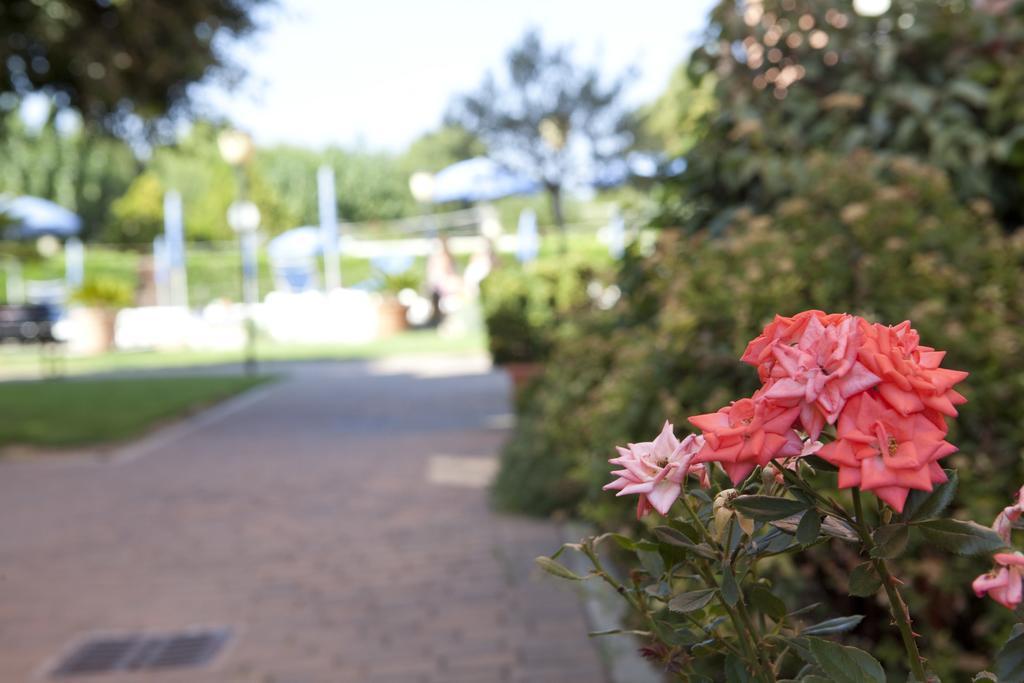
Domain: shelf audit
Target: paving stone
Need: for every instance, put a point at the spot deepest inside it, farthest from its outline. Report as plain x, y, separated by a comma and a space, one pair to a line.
307, 522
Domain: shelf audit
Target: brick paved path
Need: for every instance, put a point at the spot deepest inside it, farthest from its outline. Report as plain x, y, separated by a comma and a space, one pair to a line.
304, 520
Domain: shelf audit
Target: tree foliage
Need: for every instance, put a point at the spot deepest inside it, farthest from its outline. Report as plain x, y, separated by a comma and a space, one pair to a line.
80, 171
281, 180
547, 116
119, 64
939, 80
676, 121
441, 148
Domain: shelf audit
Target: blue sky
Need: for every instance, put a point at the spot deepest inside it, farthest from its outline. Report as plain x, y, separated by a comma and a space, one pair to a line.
380, 73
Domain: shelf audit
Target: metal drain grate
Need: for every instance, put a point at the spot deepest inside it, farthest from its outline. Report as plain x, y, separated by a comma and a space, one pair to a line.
110, 654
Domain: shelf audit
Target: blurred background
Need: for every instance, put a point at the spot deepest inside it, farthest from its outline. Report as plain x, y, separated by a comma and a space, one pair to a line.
445, 230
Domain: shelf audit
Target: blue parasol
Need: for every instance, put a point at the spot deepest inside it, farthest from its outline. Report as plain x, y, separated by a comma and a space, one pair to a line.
31, 217
480, 180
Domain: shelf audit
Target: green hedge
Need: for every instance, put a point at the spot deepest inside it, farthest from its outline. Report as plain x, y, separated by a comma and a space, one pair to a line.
525, 307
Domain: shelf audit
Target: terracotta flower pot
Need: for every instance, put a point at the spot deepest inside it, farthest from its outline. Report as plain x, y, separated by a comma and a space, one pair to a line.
391, 315
93, 329
521, 373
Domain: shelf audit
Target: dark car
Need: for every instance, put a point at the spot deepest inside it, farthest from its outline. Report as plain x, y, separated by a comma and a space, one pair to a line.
28, 323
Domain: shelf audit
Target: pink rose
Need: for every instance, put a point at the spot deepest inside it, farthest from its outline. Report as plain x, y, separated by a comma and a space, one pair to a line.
1003, 584
1003, 524
657, 469
819, 371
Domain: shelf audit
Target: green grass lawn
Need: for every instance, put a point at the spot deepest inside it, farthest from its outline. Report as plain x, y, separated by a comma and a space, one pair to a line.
76, 412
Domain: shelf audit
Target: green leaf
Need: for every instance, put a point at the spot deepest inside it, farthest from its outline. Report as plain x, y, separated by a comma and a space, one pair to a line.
578, 547
890, 540
805, 609
552, 567
971, 92
692, 601
772, 543
1010, 659
667, 534
830, 626
619, 631
864, 580
844, 664
767, 508
767, 602
609, 632
802, 647
819, 463
962, 538
652, 562
923, 505
735, 670
807, 530
658, 590
730, 591
624, 542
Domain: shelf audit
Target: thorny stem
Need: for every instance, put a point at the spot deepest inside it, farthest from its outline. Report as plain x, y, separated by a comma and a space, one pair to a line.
639, 605
828, 506
740, 617
897, 606
778, 660
591, 553
762, 656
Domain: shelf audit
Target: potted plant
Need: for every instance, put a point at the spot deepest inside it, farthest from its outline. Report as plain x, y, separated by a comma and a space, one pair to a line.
94, 313
391, 310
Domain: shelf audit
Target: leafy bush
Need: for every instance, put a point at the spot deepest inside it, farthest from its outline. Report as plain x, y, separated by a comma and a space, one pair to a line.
937, 80
882, 238
524, 307
103, 292
392, 284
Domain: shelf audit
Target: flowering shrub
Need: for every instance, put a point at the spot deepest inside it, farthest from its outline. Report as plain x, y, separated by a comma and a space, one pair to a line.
844, 407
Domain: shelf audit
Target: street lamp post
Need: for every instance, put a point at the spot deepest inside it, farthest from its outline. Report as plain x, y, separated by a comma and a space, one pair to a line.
236, 148
244, 219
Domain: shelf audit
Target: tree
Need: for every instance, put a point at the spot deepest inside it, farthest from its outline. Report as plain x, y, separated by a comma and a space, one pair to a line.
368, 185
548, 117
121, 65
207, 185
942, 81
84, 173
138, 213
443, 147
675, 122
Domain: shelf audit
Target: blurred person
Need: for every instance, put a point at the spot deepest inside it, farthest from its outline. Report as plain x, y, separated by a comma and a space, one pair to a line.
443, 281
480, 265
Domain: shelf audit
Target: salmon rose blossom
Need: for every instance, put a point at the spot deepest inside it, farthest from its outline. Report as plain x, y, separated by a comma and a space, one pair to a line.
880, 450
747, 433
782, 330
884, 392
657, 469
1003, 584
819, 371
912, 380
